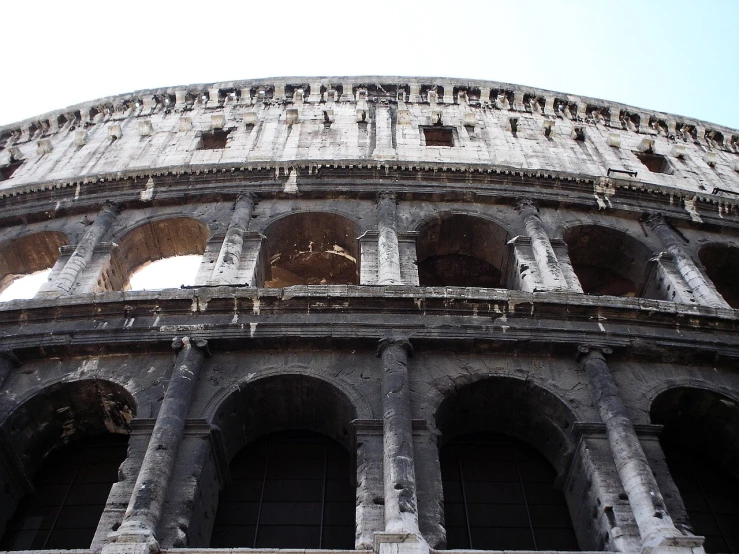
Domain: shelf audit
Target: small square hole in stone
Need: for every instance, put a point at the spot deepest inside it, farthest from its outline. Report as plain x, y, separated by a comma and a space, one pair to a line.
214, 140
438, 136
656, 163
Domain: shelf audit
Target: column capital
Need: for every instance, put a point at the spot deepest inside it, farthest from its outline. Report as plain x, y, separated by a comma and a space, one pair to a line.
526, 203
598, 350
112, 207
385, 195
653, 220
201, 344
386, 342
250, 196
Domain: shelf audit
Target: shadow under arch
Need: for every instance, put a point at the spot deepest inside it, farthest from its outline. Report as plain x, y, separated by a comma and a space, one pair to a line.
460, 249
53, 423
504, 442
153, 240
288, 442
700, 441
313, 248
28, 254
722, 266
607, 261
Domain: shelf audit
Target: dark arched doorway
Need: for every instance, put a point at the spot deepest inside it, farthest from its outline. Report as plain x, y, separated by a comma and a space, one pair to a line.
700, 441
501, 440
722, 267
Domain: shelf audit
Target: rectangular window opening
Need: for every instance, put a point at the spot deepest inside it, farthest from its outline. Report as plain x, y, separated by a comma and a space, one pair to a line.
438, 136
6, 171
656, 163
214, 140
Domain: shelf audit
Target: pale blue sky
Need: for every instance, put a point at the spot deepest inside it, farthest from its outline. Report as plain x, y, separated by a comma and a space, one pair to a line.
668, 55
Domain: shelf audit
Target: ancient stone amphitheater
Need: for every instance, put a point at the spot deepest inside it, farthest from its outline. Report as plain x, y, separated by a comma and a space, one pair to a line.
429, 314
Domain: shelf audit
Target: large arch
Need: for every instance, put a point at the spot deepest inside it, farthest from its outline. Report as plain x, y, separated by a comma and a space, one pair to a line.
47, 432
700, 440
313, 248
151, 241
456, 249
268, 424
503, 442
607, 261
29, 254
722, 266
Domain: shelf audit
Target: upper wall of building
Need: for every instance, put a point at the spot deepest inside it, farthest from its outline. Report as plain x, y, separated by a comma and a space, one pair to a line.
383, 119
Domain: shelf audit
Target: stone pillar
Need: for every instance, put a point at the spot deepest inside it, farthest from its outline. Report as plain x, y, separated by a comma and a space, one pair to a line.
227, 265
546, 260
703, 290
388, 253
8, 362
658, 533
137, 532
370, 511
85, 248
401, 509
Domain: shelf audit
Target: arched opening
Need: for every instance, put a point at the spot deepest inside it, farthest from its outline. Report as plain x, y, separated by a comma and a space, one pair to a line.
313, 248
153, 241
26, 262
69, 439
700, 441
607, 262
292, 480
722, 267
501, 442
461, 251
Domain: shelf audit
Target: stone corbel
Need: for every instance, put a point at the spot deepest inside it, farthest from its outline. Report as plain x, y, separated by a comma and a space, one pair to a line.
145, 128
44, 146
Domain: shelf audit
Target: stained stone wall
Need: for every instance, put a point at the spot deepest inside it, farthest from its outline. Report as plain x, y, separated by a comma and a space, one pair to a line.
561, 272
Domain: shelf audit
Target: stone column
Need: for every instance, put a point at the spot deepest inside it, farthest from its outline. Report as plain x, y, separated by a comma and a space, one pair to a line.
658, 533
145, 507
546, 260
85, 248
703, 290
401, 509
8, 362
227, 265
388, 253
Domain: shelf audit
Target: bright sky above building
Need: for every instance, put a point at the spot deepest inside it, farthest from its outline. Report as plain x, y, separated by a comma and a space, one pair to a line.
674, 56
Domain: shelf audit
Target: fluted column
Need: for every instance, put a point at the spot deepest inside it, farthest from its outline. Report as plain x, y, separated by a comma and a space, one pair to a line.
82, 254
227, 265
703, 289
655, 525
546, 260
401, 509
145, 507
388, 252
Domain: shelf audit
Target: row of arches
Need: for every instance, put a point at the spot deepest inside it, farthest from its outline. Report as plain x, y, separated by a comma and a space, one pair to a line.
505, 446
324, 248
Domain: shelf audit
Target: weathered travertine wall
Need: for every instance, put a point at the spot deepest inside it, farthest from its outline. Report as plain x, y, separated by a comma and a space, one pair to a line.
532, 277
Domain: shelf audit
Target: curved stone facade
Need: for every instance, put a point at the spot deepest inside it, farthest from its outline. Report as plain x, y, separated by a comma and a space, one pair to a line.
510, 312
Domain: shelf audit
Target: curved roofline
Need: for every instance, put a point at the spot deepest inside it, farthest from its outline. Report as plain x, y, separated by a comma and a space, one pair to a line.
366, 80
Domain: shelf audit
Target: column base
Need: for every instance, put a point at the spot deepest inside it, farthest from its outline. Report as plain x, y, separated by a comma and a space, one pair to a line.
132, 541
388, 542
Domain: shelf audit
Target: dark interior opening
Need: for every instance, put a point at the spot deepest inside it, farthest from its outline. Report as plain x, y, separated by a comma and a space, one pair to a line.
72, 488
656, 163
214, 140
499, 495
6, 171
438, 136
722, 267
290, 489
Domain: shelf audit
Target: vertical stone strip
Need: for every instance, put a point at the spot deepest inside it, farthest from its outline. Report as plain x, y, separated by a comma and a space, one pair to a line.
655, 525
703, 290
85, 248
145, 507
227, 264
388, 253
401, 509
546, 260
8, 362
